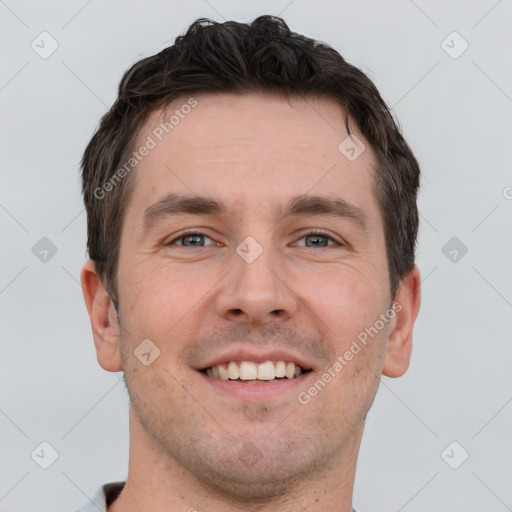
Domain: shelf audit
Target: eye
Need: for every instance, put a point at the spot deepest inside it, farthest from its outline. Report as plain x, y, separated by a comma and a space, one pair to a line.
191, 239
317, 239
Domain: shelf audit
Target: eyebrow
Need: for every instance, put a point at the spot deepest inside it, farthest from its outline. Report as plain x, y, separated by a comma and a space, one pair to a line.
302, 205
307, 205
175, 204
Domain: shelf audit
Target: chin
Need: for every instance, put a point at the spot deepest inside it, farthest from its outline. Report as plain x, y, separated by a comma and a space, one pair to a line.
256, 467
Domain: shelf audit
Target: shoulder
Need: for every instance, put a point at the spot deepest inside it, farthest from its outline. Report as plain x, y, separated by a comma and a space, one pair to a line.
104, 496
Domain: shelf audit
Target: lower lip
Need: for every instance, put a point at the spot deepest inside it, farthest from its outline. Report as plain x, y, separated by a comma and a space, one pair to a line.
264, 391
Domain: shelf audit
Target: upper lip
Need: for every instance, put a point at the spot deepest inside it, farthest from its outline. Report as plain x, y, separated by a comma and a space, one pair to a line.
257, 356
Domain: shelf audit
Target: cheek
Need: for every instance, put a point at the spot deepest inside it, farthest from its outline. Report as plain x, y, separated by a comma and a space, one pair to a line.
346, 299
157, 298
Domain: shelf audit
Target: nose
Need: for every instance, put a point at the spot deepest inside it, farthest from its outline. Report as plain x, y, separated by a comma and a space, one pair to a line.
256, 292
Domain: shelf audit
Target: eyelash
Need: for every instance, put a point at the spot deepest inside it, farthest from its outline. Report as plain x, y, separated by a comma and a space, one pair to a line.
185, 234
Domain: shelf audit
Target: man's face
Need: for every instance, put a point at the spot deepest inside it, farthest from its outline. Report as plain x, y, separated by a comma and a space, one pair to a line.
268, 275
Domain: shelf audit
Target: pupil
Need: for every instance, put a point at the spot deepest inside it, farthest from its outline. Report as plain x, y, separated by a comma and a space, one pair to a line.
316, 241
195, 240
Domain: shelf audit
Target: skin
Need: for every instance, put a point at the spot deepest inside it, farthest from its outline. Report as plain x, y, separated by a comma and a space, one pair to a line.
249, 152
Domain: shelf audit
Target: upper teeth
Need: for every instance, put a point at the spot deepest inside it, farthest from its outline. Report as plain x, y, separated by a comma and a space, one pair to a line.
247, 370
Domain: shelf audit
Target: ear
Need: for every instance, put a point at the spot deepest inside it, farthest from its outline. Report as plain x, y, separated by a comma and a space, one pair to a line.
406, 307
105, 328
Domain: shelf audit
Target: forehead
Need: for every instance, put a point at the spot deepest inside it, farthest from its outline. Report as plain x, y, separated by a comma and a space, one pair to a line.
233, 123
252, 148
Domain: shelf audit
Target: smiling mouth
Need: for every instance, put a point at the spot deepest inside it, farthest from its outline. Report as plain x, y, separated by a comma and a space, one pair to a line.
250, 372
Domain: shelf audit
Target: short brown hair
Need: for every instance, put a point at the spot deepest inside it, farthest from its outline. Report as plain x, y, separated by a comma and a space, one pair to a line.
231, 57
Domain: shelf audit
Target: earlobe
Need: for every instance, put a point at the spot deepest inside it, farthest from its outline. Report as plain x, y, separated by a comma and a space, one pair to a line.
406, 306
105, 328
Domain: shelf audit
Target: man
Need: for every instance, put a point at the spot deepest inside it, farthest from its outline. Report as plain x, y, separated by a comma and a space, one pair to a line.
252, 224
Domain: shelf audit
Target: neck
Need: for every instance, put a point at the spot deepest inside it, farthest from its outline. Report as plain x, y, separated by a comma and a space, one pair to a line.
156, 482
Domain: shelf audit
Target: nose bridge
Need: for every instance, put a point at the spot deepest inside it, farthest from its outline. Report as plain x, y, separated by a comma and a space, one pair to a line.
254, 291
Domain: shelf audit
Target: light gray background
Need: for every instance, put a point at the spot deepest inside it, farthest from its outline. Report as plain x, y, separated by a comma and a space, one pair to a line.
455, 113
